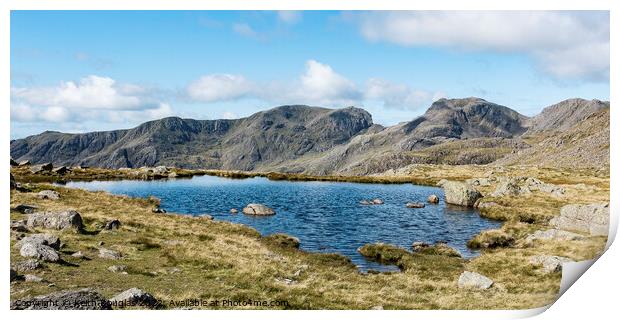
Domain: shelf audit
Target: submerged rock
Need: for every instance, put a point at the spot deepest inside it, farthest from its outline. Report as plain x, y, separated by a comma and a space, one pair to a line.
474, 281
377, 201
415, 205
460, 193
257, 209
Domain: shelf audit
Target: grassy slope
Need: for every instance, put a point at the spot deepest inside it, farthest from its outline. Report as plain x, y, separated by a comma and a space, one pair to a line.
221, 260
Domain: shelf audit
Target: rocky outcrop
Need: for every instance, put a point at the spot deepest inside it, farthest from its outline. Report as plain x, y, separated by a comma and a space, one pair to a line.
257, 209
460, 193
48, 194
474, 281
84, 299
591, 218
564, 115
554, 234
549, 264
69, 219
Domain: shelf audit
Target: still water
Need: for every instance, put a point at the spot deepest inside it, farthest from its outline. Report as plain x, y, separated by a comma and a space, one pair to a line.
325, 216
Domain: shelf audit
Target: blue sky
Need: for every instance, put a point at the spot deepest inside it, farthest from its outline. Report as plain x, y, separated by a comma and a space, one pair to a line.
78, 71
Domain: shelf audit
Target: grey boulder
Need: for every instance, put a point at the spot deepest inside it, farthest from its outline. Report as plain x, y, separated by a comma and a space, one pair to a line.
257, 209
48, 194
39, 251
135, 297
460, 193
591, 218
69, 219
549, 264
474, 281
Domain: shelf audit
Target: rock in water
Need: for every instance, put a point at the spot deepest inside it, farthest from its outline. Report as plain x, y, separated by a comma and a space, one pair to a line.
460, 193
135, 297
474, 281
433, 199
549, 263
70, 219
84, 299
257, 209
591, 218
48, 194
234, 210
414, 205
377, 201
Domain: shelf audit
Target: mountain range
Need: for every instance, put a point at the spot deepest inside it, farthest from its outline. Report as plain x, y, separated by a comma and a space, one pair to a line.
314, 140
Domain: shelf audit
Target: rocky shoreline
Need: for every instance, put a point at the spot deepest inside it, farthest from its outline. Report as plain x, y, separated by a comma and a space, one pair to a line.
569, 229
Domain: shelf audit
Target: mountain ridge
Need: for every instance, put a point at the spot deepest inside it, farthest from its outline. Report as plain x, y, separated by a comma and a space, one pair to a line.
304, 139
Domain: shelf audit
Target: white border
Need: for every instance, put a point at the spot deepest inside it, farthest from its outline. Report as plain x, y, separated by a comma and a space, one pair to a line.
595, 294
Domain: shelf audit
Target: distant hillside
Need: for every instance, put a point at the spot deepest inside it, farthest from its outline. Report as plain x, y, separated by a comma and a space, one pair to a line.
315, 140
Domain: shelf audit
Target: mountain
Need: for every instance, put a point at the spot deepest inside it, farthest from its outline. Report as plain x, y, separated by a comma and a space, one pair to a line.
564, 115
314, 140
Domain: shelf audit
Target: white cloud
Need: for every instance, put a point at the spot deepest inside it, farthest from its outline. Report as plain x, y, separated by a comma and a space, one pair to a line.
229, 115
319, 84
245, 30
219, 87
399, 96
563, 44
91, 98
289, 16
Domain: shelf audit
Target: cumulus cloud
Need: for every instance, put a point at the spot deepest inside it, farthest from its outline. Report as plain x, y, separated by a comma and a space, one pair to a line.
563, 44
289, 16
92, 97
220, 87
319, 84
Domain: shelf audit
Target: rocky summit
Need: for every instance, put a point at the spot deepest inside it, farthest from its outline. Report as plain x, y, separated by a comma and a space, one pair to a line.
320, 141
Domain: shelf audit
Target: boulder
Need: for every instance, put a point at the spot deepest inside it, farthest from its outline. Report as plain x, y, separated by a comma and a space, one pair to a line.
69, 219
109, 254
415, 205
27, 265
135, 297
24, 163
205, 216
554, 234
160, 170
60, 170
377, 201
117, 268
234, 210
474, 281
433, 199
508, 187
39, 168
13, 275
19, 226
78, 255
112, 225
83, 299
32, 278
46, 239
257, 209
483, 182
14, 163
39, 251
591, 218
25, 208
419, 245
48, 194
460, 193
549, 263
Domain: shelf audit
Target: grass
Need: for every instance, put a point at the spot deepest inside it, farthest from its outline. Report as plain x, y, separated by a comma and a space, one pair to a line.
176, 257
